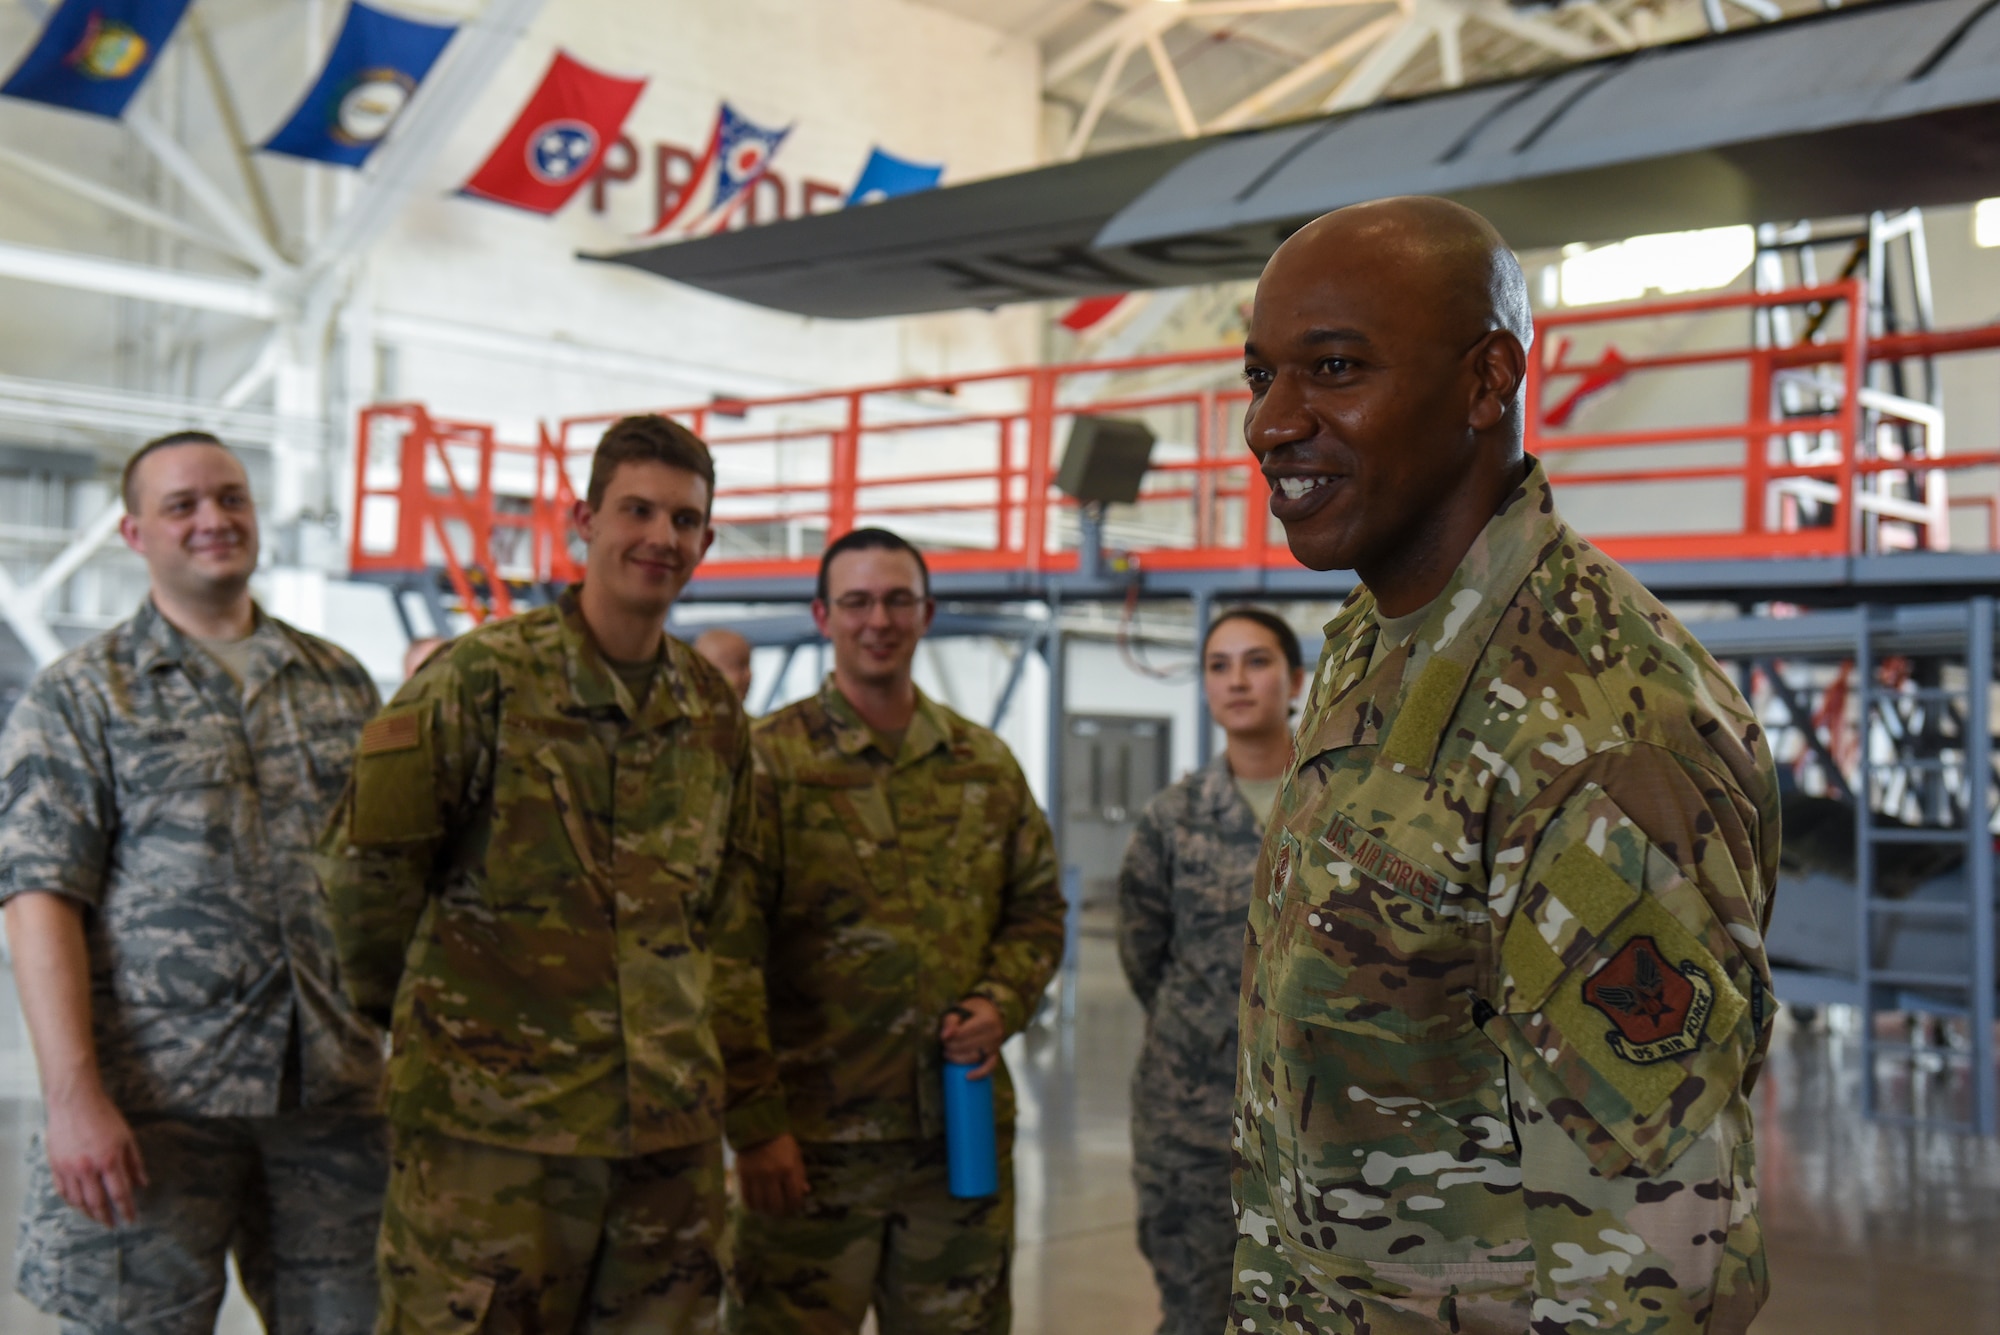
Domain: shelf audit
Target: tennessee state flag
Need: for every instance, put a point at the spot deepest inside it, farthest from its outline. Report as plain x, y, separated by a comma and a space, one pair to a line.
93, 54
558, 139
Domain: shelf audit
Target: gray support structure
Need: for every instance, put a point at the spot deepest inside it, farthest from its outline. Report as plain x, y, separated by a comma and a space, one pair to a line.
1979, 860
1864, 856
1204, 726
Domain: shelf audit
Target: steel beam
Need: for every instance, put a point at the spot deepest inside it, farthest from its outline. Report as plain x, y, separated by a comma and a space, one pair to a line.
121, 278
1979, 862
105, 197
128, 412
203, 190
21, 605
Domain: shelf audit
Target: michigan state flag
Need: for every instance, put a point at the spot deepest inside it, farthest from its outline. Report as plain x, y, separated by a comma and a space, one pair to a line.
93, 54
375, 65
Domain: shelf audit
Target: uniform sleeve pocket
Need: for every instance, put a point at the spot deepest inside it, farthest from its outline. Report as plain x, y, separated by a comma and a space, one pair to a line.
1621, 1013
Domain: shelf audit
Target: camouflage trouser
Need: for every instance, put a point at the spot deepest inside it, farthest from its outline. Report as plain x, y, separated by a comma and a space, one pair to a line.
297, 1195
1188, 1233
879, 1227
480, 1238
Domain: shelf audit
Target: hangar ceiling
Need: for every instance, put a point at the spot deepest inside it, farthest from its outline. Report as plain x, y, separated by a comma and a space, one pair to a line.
1119, 73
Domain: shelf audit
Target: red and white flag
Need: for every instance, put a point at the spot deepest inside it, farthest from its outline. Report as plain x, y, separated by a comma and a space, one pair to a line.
558, 139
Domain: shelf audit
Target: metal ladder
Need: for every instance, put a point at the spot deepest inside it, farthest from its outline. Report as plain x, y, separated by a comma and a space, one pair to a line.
1900, 414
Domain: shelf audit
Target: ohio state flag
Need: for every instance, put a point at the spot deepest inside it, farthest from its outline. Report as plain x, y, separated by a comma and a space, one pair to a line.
558, 139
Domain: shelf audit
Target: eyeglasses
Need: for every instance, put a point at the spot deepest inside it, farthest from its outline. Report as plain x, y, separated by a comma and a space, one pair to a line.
898, 603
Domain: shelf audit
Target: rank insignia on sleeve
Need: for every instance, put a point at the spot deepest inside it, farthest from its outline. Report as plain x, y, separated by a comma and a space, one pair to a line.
1660, 1010
390, 732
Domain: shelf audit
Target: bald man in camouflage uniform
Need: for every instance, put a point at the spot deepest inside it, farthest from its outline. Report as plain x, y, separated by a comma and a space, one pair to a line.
1505, 989
207, 1084
908, 899
541, 845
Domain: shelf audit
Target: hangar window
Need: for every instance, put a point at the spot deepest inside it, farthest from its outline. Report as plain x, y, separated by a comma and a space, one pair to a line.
1666, 262
1986, 223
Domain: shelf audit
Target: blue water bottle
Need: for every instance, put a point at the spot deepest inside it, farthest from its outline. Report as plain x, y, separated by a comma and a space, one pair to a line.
970, 1148
972, 1153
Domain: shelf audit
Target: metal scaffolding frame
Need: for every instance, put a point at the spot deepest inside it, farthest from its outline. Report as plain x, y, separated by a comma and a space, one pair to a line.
1920, 723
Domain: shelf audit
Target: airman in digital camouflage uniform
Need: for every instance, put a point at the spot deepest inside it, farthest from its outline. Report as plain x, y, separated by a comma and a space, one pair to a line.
205, 1081
1183, 898
1505, 988
538, 851
909, 914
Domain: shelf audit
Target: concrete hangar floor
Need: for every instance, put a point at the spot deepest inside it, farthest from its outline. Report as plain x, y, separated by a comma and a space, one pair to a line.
1873, 1230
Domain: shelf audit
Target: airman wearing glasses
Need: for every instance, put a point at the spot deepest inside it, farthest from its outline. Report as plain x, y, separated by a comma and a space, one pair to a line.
910, 915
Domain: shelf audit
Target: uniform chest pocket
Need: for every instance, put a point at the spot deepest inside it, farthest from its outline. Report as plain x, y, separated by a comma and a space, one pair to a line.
1370, 939
682, 811
970, 809
542, 834
840, 841
187, 776
329, 759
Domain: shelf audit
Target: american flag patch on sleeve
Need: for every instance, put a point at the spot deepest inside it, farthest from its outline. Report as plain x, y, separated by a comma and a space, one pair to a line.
390, 732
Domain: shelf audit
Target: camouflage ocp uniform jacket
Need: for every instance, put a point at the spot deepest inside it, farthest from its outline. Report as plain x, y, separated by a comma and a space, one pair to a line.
531, 870
889, 891
1183, 898
1505, 988
137, 779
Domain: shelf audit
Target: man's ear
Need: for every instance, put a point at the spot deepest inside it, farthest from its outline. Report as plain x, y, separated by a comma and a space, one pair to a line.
1499, 365
582, 516
128, 529
819, 617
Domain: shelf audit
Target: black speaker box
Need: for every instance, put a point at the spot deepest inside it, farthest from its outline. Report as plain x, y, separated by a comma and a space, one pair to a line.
1105, 459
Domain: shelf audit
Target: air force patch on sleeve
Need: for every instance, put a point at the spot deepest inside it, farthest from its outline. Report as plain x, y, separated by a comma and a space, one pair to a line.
1660, 1010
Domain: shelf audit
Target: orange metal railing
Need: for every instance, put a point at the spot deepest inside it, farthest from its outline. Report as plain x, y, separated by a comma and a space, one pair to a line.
966, 463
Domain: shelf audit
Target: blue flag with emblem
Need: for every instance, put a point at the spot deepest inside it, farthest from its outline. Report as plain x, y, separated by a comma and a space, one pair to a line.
93, 54
375, 65
743, 152
885, 176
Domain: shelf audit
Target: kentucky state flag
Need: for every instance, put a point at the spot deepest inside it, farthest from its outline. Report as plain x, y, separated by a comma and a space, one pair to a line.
93, 54
886, 176
376, 63
558, 139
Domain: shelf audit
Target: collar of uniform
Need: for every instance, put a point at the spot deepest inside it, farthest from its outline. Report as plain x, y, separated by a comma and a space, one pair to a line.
1464, 617
928, 728
592, 683
1338, 711
1217, 794
160, 643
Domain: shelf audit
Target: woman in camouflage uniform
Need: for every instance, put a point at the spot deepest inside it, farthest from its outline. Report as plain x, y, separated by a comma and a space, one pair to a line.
1183, 898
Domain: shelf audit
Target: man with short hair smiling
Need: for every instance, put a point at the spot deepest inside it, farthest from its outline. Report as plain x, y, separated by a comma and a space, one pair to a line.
205, 1082
909, 915
1505, 990
540, 848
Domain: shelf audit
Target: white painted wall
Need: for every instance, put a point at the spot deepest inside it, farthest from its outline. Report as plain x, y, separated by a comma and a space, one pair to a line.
920, 82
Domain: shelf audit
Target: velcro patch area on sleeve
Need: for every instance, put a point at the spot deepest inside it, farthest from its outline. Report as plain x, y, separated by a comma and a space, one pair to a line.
395, 783
401, 730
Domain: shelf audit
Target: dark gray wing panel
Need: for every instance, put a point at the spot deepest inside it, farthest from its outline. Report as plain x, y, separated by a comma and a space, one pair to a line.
1891, 104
